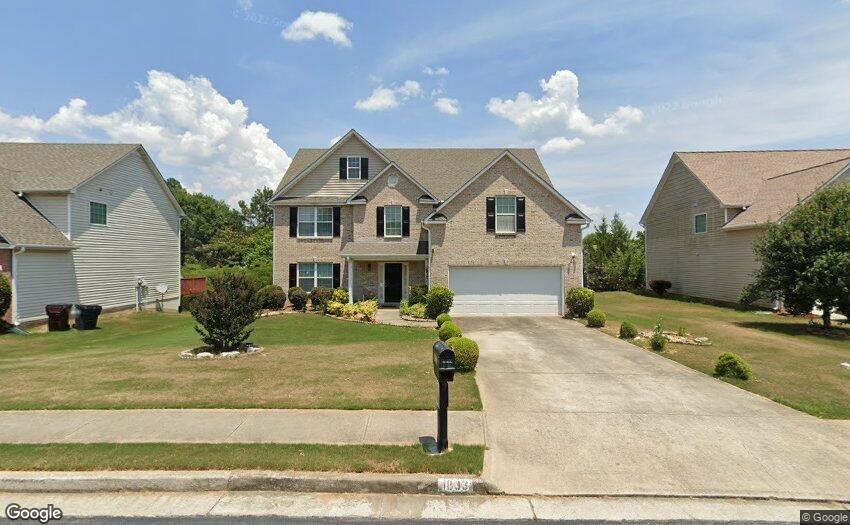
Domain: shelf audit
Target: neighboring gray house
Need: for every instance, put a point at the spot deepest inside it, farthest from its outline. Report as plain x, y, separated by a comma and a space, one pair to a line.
711, 206
84, 223
485, 222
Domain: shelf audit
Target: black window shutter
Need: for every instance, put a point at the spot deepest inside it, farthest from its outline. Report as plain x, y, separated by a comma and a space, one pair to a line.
405, 221
520, 214
336, 275
491, 214
380, 221
364, 167
293, 275
336, 221
343, 167
293, 221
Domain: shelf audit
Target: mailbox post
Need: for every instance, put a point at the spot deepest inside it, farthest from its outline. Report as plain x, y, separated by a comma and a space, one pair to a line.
444, 370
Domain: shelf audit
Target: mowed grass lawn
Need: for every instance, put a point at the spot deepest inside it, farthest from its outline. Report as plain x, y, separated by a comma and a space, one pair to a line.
792, 364
310, 361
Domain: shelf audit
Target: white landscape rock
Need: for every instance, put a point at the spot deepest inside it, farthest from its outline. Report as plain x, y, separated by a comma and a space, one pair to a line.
204, 355
229, 355
845, 365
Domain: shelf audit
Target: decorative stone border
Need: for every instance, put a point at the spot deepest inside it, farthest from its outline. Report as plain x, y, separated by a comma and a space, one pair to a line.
351, 319
417, 319
245, 350
674, 337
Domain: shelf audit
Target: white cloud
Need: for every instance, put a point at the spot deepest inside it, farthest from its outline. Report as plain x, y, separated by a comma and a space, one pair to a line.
557, 111
245, 5
561, 145
596, 212
313, 24
334, 140
186, 124
447, 106
435, 72
384, 98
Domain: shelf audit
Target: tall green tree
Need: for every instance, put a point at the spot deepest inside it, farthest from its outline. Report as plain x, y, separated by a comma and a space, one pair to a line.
257, 213
205, 217
805, 258
613, 256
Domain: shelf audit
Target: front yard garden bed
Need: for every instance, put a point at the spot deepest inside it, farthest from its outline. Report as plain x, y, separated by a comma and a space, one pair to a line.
310, 361
461, 459
791, 363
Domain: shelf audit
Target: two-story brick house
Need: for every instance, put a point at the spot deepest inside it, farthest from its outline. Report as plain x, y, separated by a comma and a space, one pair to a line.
485, 222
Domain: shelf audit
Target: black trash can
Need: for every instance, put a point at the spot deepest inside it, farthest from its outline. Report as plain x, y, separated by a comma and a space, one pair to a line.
57, 317
87, 315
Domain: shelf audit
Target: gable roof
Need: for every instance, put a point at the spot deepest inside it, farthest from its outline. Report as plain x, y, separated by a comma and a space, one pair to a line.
391, 165
767, 183
22, 225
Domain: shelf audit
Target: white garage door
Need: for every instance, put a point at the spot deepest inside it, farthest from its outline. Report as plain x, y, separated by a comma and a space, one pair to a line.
505, 290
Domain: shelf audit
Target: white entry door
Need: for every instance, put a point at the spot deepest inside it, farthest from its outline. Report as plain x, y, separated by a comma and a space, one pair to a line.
506, 290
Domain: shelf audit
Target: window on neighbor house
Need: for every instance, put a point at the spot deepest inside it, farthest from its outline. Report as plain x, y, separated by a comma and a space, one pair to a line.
97, 213
701, 223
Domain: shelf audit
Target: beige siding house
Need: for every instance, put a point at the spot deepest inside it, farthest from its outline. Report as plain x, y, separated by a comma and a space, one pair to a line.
710, 207
485, 222
85, 224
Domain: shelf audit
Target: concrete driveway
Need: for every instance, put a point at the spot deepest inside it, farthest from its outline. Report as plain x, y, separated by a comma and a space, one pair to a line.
570, 410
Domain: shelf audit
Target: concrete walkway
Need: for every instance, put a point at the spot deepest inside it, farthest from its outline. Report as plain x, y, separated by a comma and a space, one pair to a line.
570, 410
392, 316
341, 427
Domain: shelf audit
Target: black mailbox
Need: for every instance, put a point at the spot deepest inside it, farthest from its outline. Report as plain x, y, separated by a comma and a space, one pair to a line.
444, 362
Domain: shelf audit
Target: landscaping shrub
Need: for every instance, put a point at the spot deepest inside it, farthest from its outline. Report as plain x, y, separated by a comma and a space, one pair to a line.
658, 341
349, 311
438, 300
442, 318
368, 309
340, 295
226, 309
187, 301
335, 308
449, 330
466, 353
319, 297
596, 319
298, 298
660, 286
731, 365
628, 330
5, 294
579, 302
412, 310
418, 293
272, 297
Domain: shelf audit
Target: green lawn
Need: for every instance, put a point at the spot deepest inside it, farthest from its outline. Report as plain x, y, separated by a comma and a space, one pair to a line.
247, 456
792, 362
310, 361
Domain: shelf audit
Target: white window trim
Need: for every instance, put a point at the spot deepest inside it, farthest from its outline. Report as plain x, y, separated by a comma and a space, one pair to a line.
315, 266
695, 224
497, 214
359, 167
315, 223
107, 214
400, 222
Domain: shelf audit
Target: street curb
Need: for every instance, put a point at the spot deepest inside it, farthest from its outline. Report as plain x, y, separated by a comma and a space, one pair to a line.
234, 480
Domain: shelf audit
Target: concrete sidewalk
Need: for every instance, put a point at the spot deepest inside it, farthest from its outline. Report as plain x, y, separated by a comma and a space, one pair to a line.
337, 427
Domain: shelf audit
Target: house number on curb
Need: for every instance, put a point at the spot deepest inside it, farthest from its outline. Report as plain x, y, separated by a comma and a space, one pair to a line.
454, 484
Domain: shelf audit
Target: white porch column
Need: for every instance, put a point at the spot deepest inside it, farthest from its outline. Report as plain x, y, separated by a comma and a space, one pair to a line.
350, 280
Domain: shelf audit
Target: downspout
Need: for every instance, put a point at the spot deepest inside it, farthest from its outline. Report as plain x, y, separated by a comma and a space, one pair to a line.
428, 269
587, 225
15, 284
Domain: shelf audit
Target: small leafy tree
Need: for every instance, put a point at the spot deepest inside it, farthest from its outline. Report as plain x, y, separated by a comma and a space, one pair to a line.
805, 258
5, 294
226, 309
438, 300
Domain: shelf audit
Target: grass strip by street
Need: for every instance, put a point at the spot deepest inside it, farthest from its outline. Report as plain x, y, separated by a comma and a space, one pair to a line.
793, 361
462, 459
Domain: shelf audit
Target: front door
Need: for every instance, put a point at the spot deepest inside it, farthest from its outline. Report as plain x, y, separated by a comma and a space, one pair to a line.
392, 282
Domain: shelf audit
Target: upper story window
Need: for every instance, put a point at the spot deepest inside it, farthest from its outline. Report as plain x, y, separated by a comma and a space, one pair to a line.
701, 223
505, 214
353, 169
97, 213
315, 222
392, 221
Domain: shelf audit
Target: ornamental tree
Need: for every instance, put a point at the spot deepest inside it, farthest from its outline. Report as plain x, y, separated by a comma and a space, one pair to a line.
805, 258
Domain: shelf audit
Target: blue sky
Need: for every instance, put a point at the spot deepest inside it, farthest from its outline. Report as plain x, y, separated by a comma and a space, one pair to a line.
223, 93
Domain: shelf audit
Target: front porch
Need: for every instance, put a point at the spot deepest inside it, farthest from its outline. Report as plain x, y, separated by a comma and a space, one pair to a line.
384, 271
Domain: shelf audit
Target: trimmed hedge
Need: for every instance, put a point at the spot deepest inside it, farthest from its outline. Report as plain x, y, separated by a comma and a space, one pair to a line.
298, 298
660, 286
579, 302
340, 295
272, 297
596, 319
732, 365
319, 297
5, 294
658, 342
442, 318
466, 353
449, 330
438, 300
628, 330
418, 294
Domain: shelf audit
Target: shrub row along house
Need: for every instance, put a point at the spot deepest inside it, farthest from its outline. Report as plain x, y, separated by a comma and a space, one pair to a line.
86, 223
710, 207
487, 223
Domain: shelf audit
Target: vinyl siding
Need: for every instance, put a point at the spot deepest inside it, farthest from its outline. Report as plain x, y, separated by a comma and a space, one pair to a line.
53, 207
42, 278
324, 181
141, 238
713, 265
